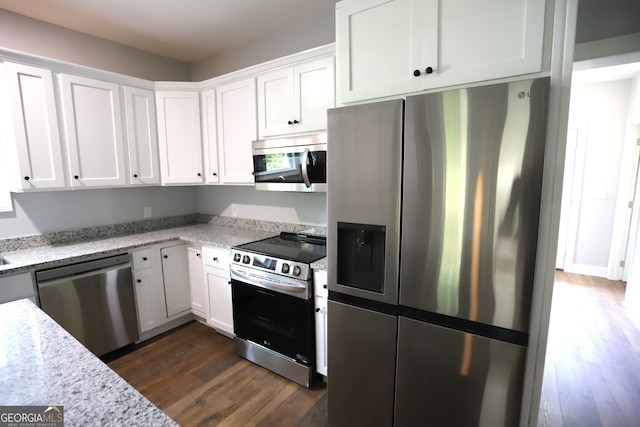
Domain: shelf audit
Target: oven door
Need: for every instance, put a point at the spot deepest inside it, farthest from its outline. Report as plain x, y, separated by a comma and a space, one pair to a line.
280, 322
293, 168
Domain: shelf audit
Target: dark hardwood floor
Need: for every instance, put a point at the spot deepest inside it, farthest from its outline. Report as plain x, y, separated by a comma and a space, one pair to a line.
592, 368
591, 378
193, 375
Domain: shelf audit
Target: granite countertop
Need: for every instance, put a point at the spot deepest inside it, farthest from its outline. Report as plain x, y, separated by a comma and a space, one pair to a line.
43, 365
46, 256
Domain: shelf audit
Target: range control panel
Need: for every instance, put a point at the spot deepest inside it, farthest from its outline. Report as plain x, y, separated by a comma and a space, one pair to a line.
296, 270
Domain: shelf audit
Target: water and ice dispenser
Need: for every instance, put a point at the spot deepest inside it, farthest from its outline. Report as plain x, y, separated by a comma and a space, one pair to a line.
361, 252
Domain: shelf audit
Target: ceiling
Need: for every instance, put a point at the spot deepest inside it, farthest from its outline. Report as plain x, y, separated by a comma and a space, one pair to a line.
186, 30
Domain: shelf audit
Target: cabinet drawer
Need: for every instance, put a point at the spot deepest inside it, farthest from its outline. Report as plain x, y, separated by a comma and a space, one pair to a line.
143, 258
216, 257
320, 284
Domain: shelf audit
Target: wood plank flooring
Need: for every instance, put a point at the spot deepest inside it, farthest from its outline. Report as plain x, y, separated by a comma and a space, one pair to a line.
194, 376
591, 378
592, 367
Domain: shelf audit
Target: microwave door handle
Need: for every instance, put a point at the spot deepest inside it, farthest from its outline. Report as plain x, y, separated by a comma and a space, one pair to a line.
305, 173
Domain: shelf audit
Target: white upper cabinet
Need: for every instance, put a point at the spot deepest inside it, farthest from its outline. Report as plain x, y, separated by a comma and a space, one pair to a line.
210, 137
179, 140
237, 129
93, 130
142, 137
35, 126
295, 99
394, 47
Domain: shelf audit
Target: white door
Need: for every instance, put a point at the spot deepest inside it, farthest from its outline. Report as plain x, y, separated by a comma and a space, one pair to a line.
237, 128
210, 137
220, 304
176, 276
314, 93
179, 137
197, 286
142, 136
276, 112
94, 134
35, 125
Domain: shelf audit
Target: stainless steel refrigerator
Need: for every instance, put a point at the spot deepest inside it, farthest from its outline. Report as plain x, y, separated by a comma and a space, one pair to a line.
433, 208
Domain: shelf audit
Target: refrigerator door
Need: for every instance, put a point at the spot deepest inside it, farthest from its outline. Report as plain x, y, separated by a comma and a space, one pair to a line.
364, 174
472, 183
451, 378
361, 366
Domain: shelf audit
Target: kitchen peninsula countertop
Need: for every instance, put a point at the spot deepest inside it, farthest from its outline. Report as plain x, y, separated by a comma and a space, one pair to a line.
217, 235
44, 365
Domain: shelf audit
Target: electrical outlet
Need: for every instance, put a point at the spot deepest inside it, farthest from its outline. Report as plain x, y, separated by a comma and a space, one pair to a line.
147, 212
234, 210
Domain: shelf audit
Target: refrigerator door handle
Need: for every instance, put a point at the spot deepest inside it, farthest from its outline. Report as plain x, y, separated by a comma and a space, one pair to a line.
305, 174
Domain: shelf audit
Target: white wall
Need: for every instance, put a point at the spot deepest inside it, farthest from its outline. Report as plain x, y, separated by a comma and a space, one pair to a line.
44, 212
293, 208
599, 111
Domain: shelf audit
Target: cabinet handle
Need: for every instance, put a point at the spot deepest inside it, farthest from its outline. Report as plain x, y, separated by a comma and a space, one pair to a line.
317, 310
229, 282
295, 122
166, 256
199, 174
139, 280
144, 258
289, 122
135, 175
197, 255
214, 174
76, 177
26, 178
428, 70
215, 258
324, 286
416, 73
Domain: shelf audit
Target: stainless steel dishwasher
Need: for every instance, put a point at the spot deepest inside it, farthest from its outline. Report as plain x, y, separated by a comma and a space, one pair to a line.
93, 301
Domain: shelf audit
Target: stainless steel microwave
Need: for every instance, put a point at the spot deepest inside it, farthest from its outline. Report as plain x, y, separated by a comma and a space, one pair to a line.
291, 164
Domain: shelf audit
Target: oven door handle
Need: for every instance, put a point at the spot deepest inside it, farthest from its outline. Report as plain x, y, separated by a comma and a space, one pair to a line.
305, 173
267, 283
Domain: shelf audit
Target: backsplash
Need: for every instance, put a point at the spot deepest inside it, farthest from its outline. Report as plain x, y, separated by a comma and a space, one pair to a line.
107, 231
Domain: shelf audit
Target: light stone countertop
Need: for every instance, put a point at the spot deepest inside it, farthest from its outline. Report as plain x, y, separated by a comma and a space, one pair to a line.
47, 256
43, 365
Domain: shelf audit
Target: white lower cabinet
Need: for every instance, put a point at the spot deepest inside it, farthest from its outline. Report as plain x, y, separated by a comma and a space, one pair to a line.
218, 280
197, 286
160, 276
320, 298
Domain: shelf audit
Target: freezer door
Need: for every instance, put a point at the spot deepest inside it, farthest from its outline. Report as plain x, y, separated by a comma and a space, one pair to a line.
473, 164
364, 174
450, 378
361, 348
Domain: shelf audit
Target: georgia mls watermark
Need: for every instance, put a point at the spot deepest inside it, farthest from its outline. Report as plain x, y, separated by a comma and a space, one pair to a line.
31, 416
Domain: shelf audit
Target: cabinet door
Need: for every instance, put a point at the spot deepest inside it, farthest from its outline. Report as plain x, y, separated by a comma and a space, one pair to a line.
142, 137
381, 44
220, 306
197, 286
176, 280
93, 129
482, 40
179, 137
237, 128
314, 93
35, 125
149, 299
276, 112
210, 137
321, 334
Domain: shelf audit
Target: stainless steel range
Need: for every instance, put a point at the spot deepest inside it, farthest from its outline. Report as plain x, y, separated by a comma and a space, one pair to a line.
272, 293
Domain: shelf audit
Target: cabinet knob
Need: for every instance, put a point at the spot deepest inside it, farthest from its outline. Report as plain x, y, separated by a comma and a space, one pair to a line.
229, 282
144, 258
214, 174
317, 310
428, 70
416, 73
324, 286
166, 256
197, 255
135, 175
215, 258
26, 178
199, 174
76, 177
295, 122
139, 280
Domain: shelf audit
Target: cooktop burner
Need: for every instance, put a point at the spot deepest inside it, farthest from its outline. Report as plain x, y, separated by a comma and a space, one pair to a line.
290, 246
